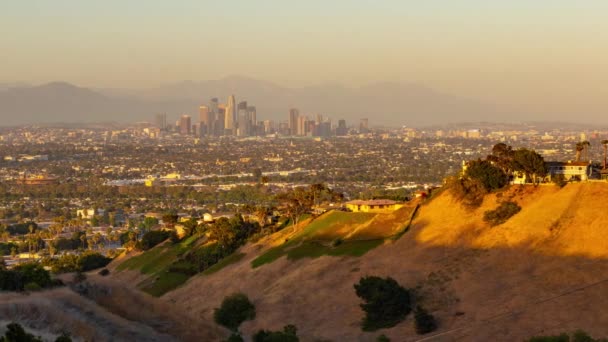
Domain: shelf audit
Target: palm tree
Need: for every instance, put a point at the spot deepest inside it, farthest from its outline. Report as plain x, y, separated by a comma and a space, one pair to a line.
579, 148
586, 145
605, 143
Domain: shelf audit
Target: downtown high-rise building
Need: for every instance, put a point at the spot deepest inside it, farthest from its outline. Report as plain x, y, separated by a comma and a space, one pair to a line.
185, 125
229, 117
206, 121
341, 130
243, 120
364, 126
294, 114
161, 121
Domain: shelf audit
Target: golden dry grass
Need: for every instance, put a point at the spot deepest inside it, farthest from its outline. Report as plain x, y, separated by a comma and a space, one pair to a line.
543, 271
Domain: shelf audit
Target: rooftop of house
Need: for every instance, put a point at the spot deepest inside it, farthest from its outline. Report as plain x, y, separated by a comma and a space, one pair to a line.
372, 202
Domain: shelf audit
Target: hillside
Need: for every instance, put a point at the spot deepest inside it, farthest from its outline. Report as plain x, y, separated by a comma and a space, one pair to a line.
544, 271
534, 274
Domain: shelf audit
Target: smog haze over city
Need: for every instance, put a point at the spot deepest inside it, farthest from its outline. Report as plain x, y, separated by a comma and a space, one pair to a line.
454, 60
315, 170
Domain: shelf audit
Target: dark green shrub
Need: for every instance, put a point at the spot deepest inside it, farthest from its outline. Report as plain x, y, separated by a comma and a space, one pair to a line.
16, 333
383, 338
153, 238
234, 338
32, 287
577, 336
289, 334
559, 180
91, 261
64, 337
501, 214
490, 176
386, 302
19, 276
235, 309
104, 272
77, 263
424, 322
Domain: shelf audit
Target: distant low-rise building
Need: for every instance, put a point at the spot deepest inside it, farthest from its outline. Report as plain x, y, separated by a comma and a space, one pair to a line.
374, 206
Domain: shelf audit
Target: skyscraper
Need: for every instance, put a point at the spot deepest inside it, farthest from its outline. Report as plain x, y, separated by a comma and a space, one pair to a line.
253, 120
206, 121
294, 113
341, 130
185, 125
161, 121
243, 119
230, 114
364, 126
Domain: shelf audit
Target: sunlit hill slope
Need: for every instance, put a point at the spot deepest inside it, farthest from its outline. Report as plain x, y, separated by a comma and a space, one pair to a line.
543, 271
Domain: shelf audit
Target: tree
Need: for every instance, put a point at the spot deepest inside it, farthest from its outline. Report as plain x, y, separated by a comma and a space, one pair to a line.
235, 309
16, 333
424, 322
289, 334
579, 147
386, 302
490, 176
529, 163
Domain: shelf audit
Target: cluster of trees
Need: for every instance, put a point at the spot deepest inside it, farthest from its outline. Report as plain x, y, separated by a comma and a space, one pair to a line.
501, 214
84, 262
16, 333
236, 309
577, 336
386, 304
493, 173
228, 235
30, 276
298, 201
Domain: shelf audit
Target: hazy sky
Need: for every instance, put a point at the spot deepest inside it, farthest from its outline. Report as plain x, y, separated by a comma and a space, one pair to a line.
543, 55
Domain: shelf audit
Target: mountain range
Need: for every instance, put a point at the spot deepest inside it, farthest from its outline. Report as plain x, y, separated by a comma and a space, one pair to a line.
386, 103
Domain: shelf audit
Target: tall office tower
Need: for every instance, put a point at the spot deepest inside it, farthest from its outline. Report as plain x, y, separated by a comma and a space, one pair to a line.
214, 105
301, 126
219, 122
243, 119
229, 116
319, 119
206, 121
185, 126
213, 112
268, 127
341, 130
161, 121
294, 113
253, 119
364, 126
324, 129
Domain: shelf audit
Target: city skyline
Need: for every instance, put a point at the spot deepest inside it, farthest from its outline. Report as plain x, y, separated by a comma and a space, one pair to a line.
542, 58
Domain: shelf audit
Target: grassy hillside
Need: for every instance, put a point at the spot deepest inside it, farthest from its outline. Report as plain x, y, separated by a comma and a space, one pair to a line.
158, 266
543, 271
338, 233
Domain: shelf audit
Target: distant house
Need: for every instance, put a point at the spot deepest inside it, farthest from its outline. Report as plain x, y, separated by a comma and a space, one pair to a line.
85, 214
374, 206
575, 171
570, 170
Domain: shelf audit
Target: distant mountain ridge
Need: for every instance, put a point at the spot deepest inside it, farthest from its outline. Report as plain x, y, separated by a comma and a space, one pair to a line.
385, 103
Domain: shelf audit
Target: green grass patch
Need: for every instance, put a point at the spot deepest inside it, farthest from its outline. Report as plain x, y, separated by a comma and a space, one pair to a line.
323, 231
229, 260
158, 258
347, 248
270, 256
326, 225
165, 282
